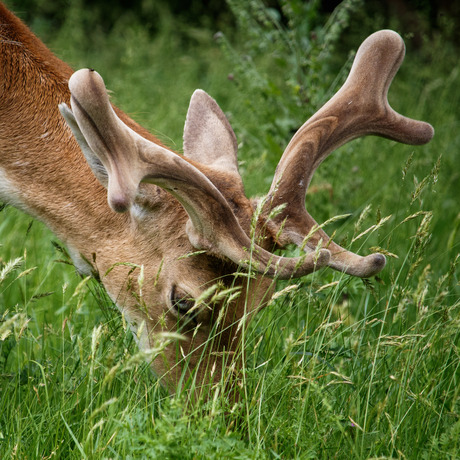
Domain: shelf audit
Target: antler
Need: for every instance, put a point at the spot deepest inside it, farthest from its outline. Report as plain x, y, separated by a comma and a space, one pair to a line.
130, 159
359, 108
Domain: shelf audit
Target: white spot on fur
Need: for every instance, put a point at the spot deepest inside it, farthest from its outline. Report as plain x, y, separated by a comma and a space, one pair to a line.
137, 212
139, 330
10, 194
81, 265
21, 163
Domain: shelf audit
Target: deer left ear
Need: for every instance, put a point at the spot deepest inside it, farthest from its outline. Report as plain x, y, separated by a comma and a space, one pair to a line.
208, 137
95, 164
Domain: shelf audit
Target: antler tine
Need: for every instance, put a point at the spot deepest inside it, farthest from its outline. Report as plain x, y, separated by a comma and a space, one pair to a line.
359, 108
113, 142
130, 159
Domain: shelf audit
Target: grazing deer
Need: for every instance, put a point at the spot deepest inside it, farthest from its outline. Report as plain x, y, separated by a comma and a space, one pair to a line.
183, 219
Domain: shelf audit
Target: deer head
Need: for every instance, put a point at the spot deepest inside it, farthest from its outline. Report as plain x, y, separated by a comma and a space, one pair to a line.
206, 183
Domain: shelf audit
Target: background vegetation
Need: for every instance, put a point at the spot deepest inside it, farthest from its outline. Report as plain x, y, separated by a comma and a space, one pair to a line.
335, 367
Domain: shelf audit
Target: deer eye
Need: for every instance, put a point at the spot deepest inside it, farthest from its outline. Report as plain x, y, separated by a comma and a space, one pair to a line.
182, 304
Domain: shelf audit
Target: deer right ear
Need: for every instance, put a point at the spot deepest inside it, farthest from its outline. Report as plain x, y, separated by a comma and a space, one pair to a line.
208, 137
94, 162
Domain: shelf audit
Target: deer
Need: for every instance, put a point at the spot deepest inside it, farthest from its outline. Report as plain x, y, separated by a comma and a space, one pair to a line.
122, 202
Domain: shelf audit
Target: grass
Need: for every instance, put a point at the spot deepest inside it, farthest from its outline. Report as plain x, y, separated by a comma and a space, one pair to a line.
335, 367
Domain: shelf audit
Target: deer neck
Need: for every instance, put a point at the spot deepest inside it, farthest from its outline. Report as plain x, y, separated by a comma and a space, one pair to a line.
42, 170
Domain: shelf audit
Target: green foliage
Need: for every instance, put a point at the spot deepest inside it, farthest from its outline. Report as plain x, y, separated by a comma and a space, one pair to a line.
175, 433
334, 367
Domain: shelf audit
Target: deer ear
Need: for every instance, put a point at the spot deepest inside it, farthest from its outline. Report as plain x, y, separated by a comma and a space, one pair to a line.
208, 137
95, 164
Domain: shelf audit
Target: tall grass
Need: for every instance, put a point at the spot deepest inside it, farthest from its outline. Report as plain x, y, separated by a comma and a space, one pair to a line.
334, 367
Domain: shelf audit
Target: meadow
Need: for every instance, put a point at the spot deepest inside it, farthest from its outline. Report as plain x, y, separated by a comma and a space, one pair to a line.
334, 367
